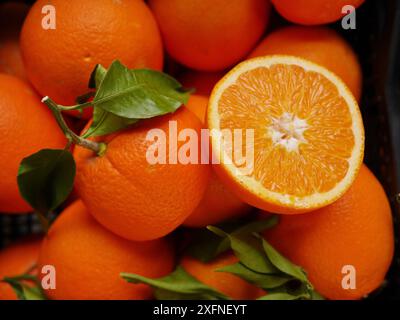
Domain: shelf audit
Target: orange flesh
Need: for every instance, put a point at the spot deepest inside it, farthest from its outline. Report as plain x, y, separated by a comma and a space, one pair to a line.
287, 105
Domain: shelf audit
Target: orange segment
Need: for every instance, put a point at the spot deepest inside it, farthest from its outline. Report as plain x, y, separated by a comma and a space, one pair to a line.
308, 133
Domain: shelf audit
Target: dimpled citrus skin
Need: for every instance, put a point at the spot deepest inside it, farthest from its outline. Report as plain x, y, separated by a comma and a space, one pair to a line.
26, 126
15, 260
319, 45
11, 18
59, 61
356, 230
218, 203
224, 282
210, 35
133, 198
89, 259
312, 12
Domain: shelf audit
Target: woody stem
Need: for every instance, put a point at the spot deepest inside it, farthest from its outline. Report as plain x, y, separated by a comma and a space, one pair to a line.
96, 147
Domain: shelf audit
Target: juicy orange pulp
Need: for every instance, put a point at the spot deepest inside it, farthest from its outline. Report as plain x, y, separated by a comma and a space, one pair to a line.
308, 135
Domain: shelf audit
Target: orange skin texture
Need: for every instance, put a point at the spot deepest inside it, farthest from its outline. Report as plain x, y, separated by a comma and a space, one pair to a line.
218, 203
226, 283
15, 260
59, 61
319, 45
133, 198
324, 241
210, 35
198, 105
26, 126
12, 15
313, 12
202, 82
250, 198
89, 259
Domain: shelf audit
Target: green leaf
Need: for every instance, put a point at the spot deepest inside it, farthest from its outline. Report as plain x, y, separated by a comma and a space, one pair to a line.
283, 264
21, 288
279, 296
257, 226
262, 265
33, 293
97, 76
17, 287
138, 94
125, 96
316, 296
105, 123
46, 178
264, 281
249, 251
206, 245
177, 285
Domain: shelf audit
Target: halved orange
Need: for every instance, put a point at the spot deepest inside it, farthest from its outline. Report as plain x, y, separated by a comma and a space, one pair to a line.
308, 134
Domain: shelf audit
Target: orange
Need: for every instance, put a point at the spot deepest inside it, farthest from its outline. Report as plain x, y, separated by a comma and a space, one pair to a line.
88, 259
26, 126
312, 12
11, 18
356, 230
226, 283
202, 82
317, 44
218, 203
198, 104
130, 195
210, 35
304, 136
15, 260
59, 61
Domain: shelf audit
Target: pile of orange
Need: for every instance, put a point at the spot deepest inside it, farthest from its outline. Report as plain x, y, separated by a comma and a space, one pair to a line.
294, 91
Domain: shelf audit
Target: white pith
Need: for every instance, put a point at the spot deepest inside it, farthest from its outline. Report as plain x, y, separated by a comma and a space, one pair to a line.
287, 131
297, 127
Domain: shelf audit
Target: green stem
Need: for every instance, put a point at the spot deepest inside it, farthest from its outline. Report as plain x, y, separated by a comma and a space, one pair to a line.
43, 221
96, 147
75, 107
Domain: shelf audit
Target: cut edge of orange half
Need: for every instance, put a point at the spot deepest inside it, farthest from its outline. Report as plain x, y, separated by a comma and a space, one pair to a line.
247, 187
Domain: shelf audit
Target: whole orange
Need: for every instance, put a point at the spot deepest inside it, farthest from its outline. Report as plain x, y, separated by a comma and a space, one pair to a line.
202, 82
134, 196
15, 260
198, 104
312, 12
226, 283
12, 15
88, 259
218, 203
26, 126
60, 60
317, 44
355, 231
210, 35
